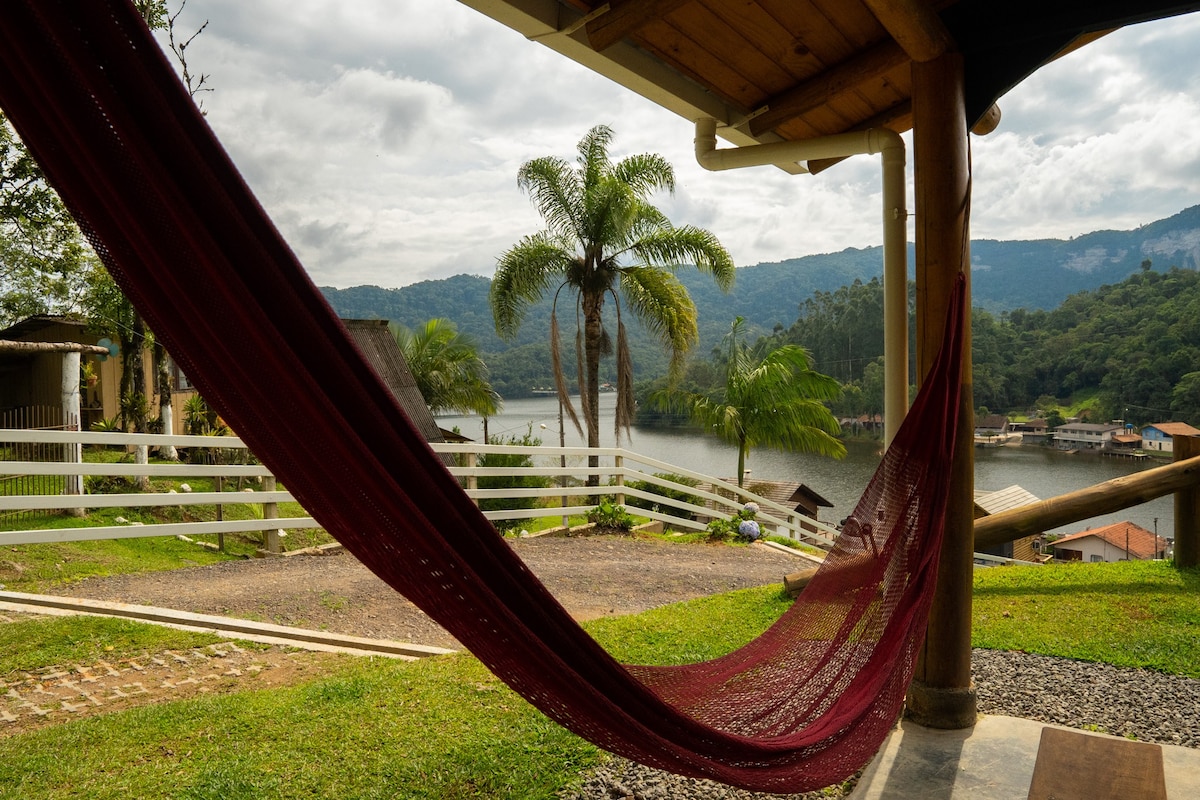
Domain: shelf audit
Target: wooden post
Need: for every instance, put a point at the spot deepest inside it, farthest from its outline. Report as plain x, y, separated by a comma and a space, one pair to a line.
941, 695
1187, 508
618, 464
219, 486
270, 511
473, 480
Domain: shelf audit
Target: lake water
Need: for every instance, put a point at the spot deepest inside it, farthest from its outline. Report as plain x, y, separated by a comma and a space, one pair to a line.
1041, 471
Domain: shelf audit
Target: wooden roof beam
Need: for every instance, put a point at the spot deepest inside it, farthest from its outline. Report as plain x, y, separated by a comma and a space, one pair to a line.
625, 17
915, 26
818, 90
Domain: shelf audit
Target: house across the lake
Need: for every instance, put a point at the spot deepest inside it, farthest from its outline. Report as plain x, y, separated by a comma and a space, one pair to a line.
1157, 437
1085, 435
1121, 541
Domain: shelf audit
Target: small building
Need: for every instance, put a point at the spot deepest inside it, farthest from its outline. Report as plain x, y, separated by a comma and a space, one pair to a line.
991, 425
1157, 437
1085, 435
1126, 442
1121, 541
797, 496
1031, 431
33, 381
987, 503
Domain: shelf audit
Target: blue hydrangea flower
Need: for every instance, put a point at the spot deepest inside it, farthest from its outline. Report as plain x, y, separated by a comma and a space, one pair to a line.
748, 529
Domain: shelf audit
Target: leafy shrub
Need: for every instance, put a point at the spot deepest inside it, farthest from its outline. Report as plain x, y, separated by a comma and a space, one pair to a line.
741, 526
667, 493
610, 516
516, 460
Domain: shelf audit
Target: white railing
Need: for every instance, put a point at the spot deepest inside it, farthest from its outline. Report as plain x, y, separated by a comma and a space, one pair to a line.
716, 499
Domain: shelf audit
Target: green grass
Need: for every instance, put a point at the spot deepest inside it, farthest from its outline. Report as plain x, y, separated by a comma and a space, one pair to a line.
1130, 614
375, 728
41, 642
445, 728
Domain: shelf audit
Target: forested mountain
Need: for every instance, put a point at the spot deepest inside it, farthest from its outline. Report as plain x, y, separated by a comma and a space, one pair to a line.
1029, 275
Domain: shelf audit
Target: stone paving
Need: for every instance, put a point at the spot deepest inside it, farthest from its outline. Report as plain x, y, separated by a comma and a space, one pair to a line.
54, 694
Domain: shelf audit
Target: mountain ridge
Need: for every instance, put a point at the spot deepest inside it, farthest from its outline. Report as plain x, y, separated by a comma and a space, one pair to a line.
1006, 275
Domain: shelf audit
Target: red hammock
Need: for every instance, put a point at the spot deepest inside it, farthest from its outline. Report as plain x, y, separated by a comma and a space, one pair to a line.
801, 707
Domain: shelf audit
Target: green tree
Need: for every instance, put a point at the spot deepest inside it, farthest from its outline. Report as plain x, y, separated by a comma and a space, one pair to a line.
604, 239
771, 398
447, 368
1185, 399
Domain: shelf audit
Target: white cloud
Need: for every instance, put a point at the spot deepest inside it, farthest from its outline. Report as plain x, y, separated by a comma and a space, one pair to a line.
384, 139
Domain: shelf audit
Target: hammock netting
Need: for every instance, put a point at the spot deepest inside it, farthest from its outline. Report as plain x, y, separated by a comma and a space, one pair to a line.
801, 707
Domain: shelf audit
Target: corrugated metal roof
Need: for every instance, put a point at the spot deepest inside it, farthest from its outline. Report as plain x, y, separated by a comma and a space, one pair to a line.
379, 347
1003, 500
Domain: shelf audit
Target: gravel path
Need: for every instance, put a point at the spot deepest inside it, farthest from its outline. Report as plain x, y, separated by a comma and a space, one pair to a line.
1148, 706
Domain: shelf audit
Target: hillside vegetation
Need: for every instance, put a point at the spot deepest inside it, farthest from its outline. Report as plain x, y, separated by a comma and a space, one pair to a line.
1017, 281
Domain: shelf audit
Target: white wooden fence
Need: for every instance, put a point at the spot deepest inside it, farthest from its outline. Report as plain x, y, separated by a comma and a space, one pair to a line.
717, 499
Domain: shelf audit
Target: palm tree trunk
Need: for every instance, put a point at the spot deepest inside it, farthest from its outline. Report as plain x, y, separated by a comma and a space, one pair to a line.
741, 475
592, 333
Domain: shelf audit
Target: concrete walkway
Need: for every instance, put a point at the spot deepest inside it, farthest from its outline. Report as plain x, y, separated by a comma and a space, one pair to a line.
992, 761
223, 626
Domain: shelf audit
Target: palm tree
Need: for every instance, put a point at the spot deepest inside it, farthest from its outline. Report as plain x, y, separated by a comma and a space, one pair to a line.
604, 239
447, 367
773, 399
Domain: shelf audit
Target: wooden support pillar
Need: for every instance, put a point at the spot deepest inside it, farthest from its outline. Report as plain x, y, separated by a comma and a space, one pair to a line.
941, 695
1187, 508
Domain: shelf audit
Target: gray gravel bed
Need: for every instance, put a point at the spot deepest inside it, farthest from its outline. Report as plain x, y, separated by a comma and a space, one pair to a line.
1148, 706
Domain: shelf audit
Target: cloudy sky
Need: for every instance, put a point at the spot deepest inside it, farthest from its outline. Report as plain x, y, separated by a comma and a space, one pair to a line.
384, 137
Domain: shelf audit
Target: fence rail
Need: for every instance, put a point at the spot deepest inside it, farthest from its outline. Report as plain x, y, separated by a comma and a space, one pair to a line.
691, 509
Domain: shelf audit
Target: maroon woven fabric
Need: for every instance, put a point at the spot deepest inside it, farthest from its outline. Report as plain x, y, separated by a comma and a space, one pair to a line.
801, 707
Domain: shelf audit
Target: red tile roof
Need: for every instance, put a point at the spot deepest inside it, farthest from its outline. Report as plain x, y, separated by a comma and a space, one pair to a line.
1142, 543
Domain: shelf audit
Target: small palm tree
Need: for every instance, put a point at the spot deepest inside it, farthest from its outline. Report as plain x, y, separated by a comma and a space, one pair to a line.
447, 367
773, 399
603, 240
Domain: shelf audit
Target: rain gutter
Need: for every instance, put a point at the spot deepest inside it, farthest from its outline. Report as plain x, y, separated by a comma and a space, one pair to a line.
895, 218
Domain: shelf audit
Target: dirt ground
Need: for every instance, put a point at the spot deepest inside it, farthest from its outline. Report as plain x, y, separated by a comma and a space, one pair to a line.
592, 576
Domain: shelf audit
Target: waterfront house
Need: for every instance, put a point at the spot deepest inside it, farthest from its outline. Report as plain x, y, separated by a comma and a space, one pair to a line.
1157, 437
1085, 435
1032, 431
991, 429
1121, 541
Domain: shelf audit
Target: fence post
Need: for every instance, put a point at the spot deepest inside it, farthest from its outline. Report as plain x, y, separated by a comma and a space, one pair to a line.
473, 480
219, 486
270, 511
72, 484
1187, 507
618, 465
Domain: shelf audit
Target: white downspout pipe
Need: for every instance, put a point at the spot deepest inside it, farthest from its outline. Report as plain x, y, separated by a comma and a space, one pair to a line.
895, 239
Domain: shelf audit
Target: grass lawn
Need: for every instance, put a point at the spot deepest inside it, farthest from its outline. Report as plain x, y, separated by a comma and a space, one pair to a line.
445, 728
1129, 614
375, 728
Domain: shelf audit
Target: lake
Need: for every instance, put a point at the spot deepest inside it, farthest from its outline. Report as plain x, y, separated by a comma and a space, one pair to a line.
1042, 471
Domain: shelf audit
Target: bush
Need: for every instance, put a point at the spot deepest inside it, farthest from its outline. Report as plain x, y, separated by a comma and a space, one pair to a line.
741, 526
610, 516
510, 482
667, 493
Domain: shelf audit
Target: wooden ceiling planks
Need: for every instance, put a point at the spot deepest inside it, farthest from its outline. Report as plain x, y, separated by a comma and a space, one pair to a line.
727, 42
772, 39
